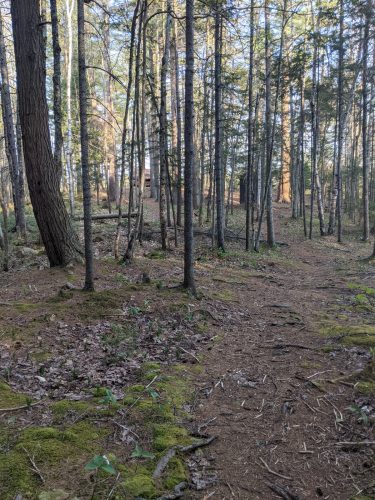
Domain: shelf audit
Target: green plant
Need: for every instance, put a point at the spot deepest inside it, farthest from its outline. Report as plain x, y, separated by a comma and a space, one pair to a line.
120, 278
100, 463
134, 311
362, 416
109, 398
138, 452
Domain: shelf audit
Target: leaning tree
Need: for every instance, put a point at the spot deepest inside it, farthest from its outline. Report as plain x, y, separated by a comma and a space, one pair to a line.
61, 243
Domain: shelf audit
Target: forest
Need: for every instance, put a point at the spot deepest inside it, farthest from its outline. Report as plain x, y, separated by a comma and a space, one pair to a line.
187, 249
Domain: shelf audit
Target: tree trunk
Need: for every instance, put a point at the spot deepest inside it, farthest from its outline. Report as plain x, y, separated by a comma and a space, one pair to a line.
69, 7
203, 144
110, 138
365, 160
163, 133
57, 113
54, 224
10, 139
269, 141
218, 131
250, 131
89, 278
284, 183
125, 125
141, 136
189, 282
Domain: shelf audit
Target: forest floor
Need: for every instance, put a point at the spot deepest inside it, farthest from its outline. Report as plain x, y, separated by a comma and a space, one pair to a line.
275, 358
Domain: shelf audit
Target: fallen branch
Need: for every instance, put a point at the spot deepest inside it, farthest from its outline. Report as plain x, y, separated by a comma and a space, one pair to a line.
164, 460
106, 216
208, 234
282, 492
163, 463
356, 443
282, 346
20, 407
272, 471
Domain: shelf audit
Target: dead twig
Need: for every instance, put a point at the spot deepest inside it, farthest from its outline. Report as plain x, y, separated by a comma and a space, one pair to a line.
34, 467
23, 407
206, 424
282, 492
164, 460
190, 353
140, 397
356, 443
272, 471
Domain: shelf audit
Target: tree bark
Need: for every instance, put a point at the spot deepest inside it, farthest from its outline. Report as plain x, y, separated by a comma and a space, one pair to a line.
189, 281
163, 134
89, 278
218, 130
54, 224
10, 139
57, 113
69, 7
125, 127
250, 131
365, 160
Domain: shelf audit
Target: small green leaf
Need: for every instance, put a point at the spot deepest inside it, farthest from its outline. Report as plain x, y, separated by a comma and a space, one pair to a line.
100, 462
153, 393
109, 398
140, 453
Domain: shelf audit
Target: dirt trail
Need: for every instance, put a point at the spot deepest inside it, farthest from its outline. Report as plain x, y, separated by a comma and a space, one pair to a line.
262, 392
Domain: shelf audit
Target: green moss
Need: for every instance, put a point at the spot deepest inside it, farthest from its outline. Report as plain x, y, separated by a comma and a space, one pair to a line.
41, 356
11, 399
157, 255
140, 485
61, 409
361, 298
176, 473
309, 364
150, 370
202, 327
99, 304
15, 467
165, 436
175, 389
327, 348
224, 295
361, 340
365, 289
335, 330
25, 307
50, 445
55, 495
153, 411
366, 387
150, 366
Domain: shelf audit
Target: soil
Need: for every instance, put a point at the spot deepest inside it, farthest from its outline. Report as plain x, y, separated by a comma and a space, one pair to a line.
278, 384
